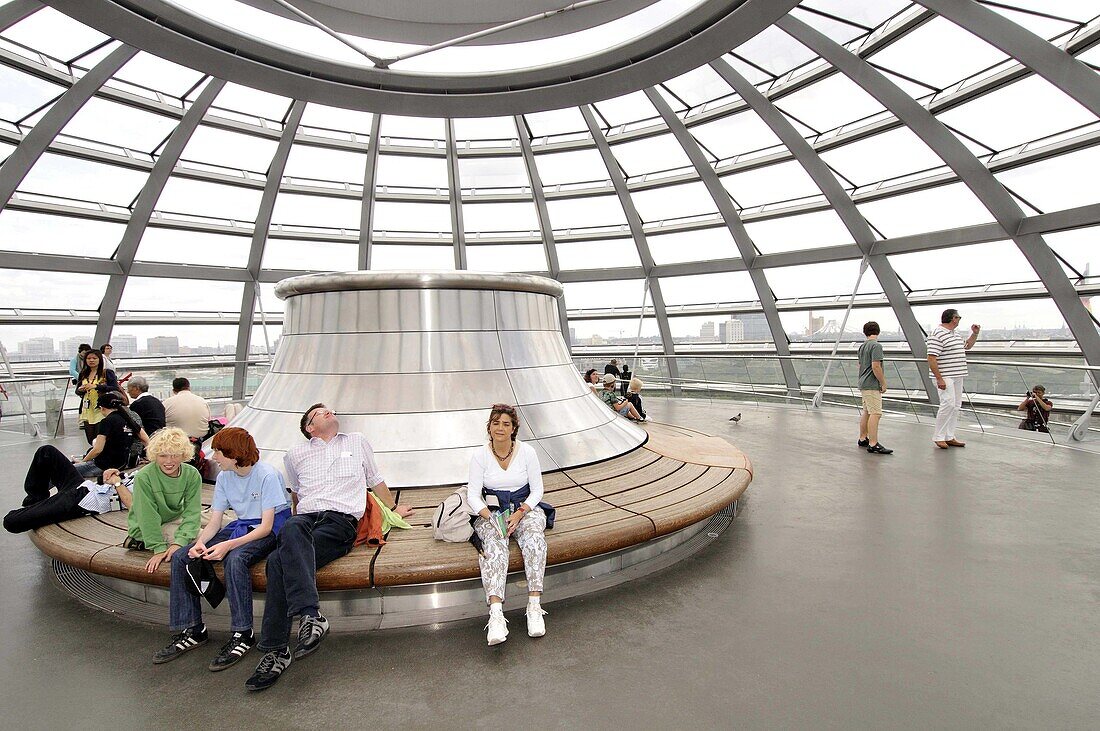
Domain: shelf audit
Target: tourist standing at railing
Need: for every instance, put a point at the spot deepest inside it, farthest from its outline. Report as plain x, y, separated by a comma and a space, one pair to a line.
872, 384
77, 362
947, 362
94, 380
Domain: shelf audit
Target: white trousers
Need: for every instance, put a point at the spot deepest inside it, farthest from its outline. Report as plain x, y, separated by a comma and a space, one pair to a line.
947, 418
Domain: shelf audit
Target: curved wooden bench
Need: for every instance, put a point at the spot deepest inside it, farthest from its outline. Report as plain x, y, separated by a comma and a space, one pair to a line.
678, 478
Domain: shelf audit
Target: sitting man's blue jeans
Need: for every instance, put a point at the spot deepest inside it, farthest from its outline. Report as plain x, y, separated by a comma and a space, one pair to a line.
88, 470
183, 608
307, 542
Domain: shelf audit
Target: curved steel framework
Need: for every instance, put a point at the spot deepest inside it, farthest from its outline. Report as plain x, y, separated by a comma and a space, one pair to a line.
1056, 61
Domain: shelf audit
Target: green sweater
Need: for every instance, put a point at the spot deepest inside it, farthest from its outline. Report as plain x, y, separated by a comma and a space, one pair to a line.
159, 499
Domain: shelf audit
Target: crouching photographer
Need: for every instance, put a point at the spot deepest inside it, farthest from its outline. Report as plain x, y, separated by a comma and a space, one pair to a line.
1038, 409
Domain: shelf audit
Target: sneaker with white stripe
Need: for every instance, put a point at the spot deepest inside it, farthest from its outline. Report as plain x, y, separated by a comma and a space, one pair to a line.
237, 647
185, 641
271, 667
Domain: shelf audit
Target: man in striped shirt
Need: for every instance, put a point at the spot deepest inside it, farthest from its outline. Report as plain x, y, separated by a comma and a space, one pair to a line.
947, 362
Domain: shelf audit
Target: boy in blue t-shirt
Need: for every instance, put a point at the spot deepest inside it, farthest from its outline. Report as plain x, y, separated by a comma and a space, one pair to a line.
257, 495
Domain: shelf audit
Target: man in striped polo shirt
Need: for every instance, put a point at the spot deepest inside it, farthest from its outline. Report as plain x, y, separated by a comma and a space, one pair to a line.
947, 361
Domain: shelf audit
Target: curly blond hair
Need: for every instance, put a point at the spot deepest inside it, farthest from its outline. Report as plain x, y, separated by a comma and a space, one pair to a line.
171, 440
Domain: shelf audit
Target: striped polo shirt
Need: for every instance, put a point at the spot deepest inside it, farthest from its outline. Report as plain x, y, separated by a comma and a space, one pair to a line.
950, 350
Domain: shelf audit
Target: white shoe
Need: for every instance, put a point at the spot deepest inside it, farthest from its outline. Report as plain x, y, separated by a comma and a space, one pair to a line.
498, 629
536, 626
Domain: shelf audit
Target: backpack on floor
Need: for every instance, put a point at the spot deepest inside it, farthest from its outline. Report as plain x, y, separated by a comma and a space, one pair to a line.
452, 518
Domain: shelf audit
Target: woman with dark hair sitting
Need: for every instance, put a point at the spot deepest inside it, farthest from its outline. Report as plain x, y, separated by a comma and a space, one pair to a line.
592, 379
93, 381
505, 491
256, 493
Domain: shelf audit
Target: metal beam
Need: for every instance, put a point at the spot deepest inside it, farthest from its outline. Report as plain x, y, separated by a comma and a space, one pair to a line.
370, 175
546, 228
143, 207
259, 242
23, 158
853, 220
732, 220
634, 220
454, 184
969, 169
16, 11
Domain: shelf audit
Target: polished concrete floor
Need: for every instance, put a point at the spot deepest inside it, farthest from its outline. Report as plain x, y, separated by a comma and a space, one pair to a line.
927, 589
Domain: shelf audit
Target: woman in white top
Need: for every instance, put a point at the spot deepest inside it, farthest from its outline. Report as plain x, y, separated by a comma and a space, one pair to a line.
505, 464
592, 378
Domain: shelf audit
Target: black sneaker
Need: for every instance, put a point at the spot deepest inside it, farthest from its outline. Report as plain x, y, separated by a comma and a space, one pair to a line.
310, 633
879, 449
231, 653
268, 671
863, 443
187, 640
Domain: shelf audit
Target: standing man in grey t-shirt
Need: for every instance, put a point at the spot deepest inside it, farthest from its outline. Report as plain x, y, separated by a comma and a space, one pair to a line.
947, 362
872, 384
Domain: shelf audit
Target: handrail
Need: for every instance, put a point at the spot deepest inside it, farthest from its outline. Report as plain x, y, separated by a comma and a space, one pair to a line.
771, 356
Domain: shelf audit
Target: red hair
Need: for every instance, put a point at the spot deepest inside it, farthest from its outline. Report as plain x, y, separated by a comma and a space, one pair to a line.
235, 443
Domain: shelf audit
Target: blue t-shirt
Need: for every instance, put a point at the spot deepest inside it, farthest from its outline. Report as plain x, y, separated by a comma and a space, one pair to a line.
250, 496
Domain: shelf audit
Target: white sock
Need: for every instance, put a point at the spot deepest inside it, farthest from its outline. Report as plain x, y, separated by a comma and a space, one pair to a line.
533, 601
497, 608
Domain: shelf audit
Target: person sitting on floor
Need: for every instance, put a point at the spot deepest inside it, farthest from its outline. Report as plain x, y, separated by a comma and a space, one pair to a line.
164, 492
146, 405
611, 396
93, 381
112, 446
330, 477
505, 492
76, 497
255, 492
634, 395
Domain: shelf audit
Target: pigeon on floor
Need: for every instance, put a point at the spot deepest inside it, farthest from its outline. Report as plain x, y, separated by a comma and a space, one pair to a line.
736, 418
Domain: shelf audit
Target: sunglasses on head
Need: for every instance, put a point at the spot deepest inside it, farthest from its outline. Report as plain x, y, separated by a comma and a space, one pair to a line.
319, 412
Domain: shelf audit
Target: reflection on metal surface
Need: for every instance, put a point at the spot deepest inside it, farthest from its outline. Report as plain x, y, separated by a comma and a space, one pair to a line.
414, 360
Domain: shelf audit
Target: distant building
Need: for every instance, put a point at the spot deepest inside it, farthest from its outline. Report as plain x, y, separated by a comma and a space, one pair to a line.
572, 335
125, 346
731, 331
706, 332
756, 327
67, 348
163, 345
38, 349
815, 325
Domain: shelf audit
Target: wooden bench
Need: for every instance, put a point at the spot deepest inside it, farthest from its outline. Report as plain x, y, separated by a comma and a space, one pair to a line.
678, 478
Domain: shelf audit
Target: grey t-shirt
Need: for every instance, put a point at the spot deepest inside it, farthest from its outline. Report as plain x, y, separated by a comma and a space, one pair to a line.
869, 352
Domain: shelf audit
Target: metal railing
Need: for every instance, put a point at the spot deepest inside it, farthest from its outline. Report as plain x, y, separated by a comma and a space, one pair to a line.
994, 388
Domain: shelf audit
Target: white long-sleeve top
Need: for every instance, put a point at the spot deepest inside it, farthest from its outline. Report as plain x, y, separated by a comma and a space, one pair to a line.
486, 472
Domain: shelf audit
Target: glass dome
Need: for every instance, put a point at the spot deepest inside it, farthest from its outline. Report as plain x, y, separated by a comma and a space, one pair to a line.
727, 208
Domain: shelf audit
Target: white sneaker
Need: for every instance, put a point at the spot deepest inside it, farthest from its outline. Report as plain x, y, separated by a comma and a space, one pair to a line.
498, 629
536, 626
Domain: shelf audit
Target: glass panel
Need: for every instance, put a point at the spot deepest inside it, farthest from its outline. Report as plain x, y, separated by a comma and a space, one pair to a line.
160, 294
315, 210
229, 149
349, 120
700, 245
734, 135
49, 290
485, 128
527, 258
963, 266
708, 289
412, 257
699, 85
865, 12
428, 217
624, 109
571, 167
272, 305
42, 234
492, 172
597, 254
773, 183
206, 339
674, 201
68, 177
423, 128
37, 343
949, 206
1009, 107
258, 343
119, 124
603, 210
775, 51
1078, 247
412, 172
152, 72
651, 154
884, 156
918, 54
499, 217
319, 163
210, 199
556, 122
829, 103
193, 247
840, 32
822, 280
822, 326
807, 231
318, 256
23, 93
601, 295
617, 333
1005, 320
715, 330
54, 34
253, 102
1057, 183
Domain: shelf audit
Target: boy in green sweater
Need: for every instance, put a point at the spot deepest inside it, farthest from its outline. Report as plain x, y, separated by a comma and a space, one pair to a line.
165, 491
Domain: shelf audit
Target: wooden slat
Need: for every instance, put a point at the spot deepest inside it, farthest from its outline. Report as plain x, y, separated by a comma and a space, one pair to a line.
625, 464
656, 470
672, 518
669, 483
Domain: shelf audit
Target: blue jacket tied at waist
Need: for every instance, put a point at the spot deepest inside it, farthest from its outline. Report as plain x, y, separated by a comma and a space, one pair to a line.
512, 499
242, 526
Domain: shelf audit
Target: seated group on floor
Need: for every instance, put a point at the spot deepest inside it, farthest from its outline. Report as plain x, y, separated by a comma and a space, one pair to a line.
338, 498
